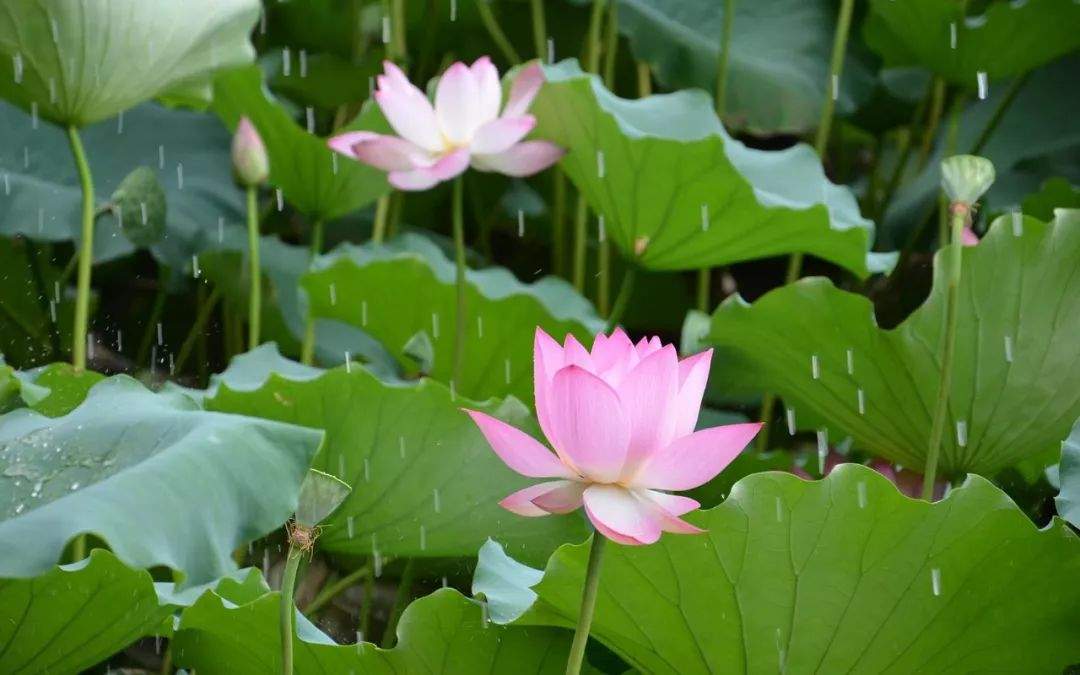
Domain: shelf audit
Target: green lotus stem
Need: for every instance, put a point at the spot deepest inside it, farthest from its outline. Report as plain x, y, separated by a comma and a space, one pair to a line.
307, 348
937, 106
593, 46
558, 222
644, 79
459, 279
483, 8
588, 606
78, 548
382, 208
255, 302
206, 308
580, 221
626, 290
330, 591
398, 31
603, 278
611, 45
539, 28
960, 213
86, 252
288, 608
401, 600
999, 112
704, 275
369, 603
603, 248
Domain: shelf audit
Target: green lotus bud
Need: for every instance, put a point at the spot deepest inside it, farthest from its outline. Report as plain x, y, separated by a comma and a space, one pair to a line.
139, 205
250, 162
966, 178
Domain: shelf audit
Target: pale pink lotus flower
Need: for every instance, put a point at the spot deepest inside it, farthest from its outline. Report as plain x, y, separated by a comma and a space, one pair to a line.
464, 128
621, 421
250, 161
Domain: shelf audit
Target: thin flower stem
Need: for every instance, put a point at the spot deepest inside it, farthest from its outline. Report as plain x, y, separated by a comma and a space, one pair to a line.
626, 290
330, 591
459, 279
487, 17
558, 222
644, 79
539, 28
307, 349
704, 282
366, 608
382, 208
588, 606
254, 268
86, 252
603, 277
156, 310
288, 608
821, 144
580, 221
401, 600
960, 214
593, 46
603, 247
401, 51
937, 106
198, 328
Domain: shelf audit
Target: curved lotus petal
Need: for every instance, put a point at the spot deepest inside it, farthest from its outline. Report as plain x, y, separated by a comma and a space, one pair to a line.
408, 111
521, 502
589, 424
524, 89
617, 509
520, 451
488, 88
499, 135
693, 460
648, 397
389, 153
523, 159
456, 104
423, 178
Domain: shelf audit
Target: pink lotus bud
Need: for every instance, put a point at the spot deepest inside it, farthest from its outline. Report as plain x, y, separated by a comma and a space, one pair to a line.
621, 420
250, 161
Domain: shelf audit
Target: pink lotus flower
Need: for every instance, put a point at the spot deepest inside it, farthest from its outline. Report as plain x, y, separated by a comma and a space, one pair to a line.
250, 161
464, 128
968, 237
621, 420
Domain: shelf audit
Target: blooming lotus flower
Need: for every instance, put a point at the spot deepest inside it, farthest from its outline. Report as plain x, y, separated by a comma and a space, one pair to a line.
620, 419
464, 128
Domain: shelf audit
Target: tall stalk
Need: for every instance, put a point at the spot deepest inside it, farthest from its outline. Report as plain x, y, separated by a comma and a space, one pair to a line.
588, 606
255, 269
287, 616
539, 28
86, 252
959, 215
307, 349
821, 144
498, 36
705, 273
459, 279
603, 249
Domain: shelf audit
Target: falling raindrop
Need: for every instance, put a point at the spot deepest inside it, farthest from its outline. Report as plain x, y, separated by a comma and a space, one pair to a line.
935, 580
961, 433
851, 361
704, 217
266, 562
341, 465
779, 510
195, 271
521, 223
280, 199
310, 113
160, 335
1017, 223
599, 163
161, 156
479, 327
367, 470
333, 163
835, 86
401, 446
1008, 349
286, 61
983, 84
303, 63
600, 229
453, 10
822, 448
861, 396
815, 367
423, 538
17, 67
791, 421
435, 325
551, 50
952, 35
221, 229
348, 362
52, 310
333, 294
350, 526
119, 340
120, 123
75, 486
435, 500
861, 489
363, 312
386, 30
33, 115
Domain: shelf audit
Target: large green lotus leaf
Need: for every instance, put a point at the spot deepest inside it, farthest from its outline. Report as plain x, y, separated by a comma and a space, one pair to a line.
778, 67
441, 633
1055, 193
81, 62
677, 192
161, 481
1068, 499
77, 615
843, 574
406, 286
1036, 138
313, 178
66, 387
40, 195
1008, 38
1014, 374
424, 481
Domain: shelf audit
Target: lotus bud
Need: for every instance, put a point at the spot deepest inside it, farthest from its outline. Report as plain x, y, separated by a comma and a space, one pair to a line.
966, 178
250, 162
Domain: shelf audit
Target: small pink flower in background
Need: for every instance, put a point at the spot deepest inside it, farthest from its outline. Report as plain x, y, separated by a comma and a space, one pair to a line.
907, 481
250, 161
464, 128
968, 237
621, 421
